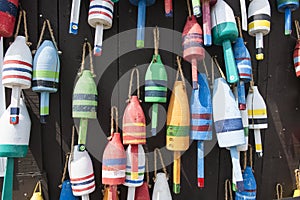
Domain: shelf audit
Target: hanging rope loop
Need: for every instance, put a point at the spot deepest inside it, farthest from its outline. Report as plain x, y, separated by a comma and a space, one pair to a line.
228, 191
279, 191
114, 112
22, 14
158, 152
135, 70
86, 44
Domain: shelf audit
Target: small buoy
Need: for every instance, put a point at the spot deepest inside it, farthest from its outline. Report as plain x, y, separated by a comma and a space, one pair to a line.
161, 190
206, 4
168, 8
142, 192
8, 13
66, 191
286, 7
37, 193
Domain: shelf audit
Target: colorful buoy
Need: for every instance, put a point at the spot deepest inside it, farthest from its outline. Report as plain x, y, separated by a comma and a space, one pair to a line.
225, 31
257, 111
17, 73
259, 23
66, 191
74, 18
14, 141
100, 18
142, 4
192, 43
296, 54
201, 121
286, 7
8, 13
196, 5
206, 4
168, 8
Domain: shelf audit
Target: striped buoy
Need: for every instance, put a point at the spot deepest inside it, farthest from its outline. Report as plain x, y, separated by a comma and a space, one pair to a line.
168, 8
81, 173
45, 78
259, 23
100, 18
8, 13
201, 121
206, 4
225, 31
17, 73
156, 81
114, 160
140, 35
287, 6
296, 54
135, 169
14, 141
192, 43
85, 99
258, 119
66, 191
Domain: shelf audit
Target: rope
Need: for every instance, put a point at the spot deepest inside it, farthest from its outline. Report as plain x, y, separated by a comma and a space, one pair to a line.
189, 8
205, 68
147, 173
156, 40
65, 169
47, 23
250, 157
212, 71
114, 109
297, 177
157, 151
297, 29
38, 187
219, 68
279, 191
179, 70
251, 84
83, 58
22, 13
228, 188
72, 143
238, 20
137, 83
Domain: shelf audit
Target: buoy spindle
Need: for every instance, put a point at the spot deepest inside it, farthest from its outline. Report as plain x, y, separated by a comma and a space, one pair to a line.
15, 103
168, 8
74, 19
200, 162
286, 7
140, 37
196, 8
207, 40
8, 180
258, 143
176, 172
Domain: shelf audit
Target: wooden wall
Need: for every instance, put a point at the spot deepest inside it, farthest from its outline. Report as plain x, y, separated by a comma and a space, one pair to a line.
275, 77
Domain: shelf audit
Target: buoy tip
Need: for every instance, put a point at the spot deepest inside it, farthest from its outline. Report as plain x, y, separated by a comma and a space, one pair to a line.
14, 120
97, 51
176, 188
81, 147
201, 182
140, 43
73, 28
195, 85
240, 186
259, 56
153, 131
242, 106
43, 119
260, 154
207, 40
169, 14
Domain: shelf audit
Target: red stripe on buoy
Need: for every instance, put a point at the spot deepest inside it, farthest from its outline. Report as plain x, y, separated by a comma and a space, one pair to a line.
244, 74
17, 62
83, 178
101, 13
296, 64
83, 189
16, 76
111, 3
202, 116
201, 128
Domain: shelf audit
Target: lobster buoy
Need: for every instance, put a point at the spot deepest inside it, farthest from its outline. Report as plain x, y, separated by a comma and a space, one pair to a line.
296, 54
8, 13
14, 141
168, 8
114, 161
142, 4
142, 192
259, 23
228, 125
225, 31
156, 80
17, 73
81, 173
161, 188
45, 78
201, 121
286, 7
74, 18
66, 191
206, 4
100, 18
85, 99
258, 119
192, 43
135, 169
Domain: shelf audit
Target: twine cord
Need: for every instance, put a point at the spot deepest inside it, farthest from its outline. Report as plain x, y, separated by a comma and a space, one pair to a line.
228, 190
218, 66
189, 8
238, 20
22, 14
279, 191
179, 71
147, 173
156, 40
87, 44
157, 151
48, 24
137, 83
114, 110
297, 29
297, 177
250, 149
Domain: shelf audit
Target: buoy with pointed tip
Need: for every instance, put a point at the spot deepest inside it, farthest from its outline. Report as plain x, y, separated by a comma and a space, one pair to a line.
259, 23
225, 31
178, 125
258, 119
45, 78
168, 8
8, 13
156, 81
17, 73
201, 122
74, 18
206, 4
100, 18
161, 188
196, 5
140, 35
296, 54
135, 169
286, 7
81, 173
66, 191
14, 141
192, 43
228, 125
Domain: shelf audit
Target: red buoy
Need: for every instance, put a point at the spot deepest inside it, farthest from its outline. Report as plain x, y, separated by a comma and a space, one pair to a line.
8, 13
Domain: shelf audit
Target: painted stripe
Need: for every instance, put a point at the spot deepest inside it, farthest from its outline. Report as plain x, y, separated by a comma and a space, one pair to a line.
190, 36
192, 44
14, 111
259, 17
258, 147
133, 140
140, 167
101, 13
17, 69
258, 121
297, 60
16, 76
84, 108
114, 161
49, 84
178, 131
44, 110
155, 93
134, 129
90, 97
155, 88
134, 182
113, 174
108, 1
161, 83
8, 7
228, 125
206, 116
45, 74
133, 124
83, 189
242, 58
139, 173
244, 75
257, 112
83, 183
82, 178
101, 7
6, 62
85, 102
201, 128
256, 24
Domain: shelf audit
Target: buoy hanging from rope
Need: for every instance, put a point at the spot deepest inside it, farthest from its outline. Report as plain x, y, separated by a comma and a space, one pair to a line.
156, 81
8, 14
286, 7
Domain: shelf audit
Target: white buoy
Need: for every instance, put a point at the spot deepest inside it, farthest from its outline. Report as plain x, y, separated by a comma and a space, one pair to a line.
161, 189
74, 18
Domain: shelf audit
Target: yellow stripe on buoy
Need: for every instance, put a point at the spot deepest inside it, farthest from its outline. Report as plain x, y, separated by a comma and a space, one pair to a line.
257, 112
258, 23
133, 124
258, 147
